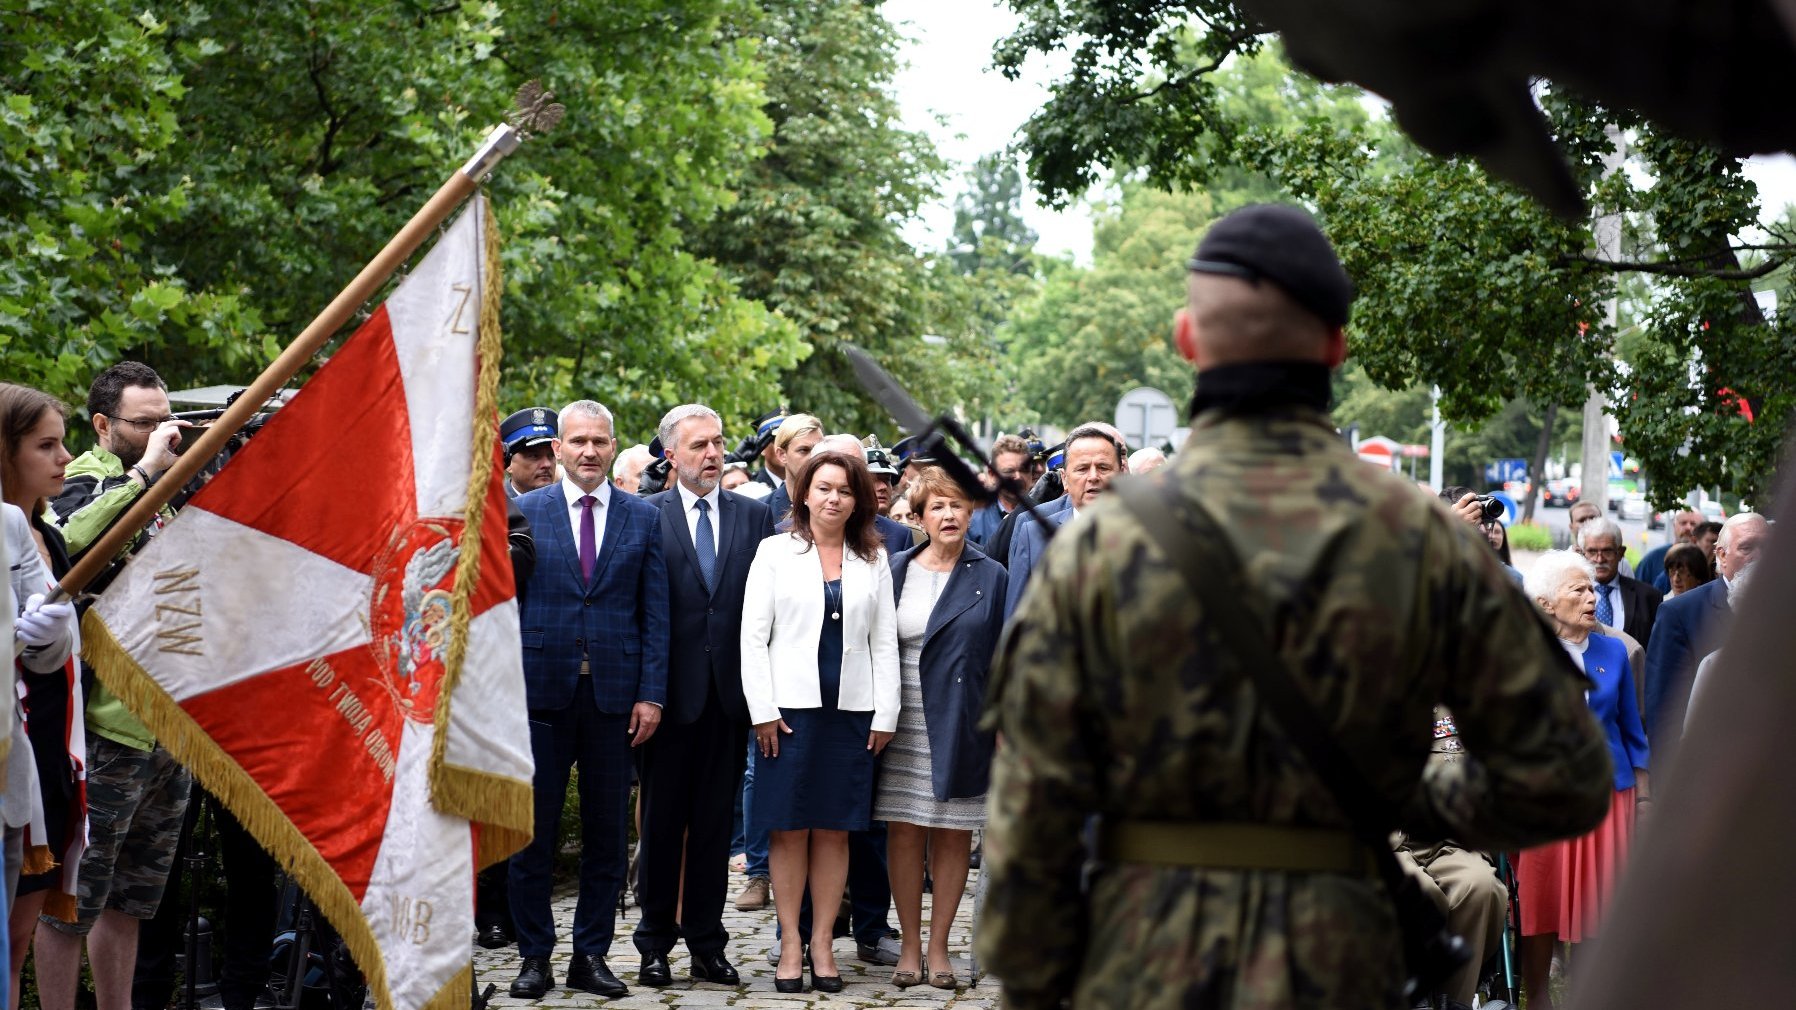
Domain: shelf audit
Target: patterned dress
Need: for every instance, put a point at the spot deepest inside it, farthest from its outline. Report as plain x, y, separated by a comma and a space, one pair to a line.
906, 792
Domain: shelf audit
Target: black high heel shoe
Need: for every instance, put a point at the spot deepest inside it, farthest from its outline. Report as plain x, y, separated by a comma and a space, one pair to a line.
788, 984
826, 983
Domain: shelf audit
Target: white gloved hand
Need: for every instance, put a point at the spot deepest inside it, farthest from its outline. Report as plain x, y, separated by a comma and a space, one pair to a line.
43, 624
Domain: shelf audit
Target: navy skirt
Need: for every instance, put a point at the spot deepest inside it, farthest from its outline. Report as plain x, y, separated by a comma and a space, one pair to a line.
823, 777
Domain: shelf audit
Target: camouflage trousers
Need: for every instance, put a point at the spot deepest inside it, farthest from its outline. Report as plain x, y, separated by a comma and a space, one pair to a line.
135, 802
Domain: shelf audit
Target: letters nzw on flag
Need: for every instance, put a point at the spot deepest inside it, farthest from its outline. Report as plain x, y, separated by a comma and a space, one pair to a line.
327, 634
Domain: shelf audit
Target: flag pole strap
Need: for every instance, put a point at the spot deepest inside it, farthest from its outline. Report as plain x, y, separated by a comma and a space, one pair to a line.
500, 141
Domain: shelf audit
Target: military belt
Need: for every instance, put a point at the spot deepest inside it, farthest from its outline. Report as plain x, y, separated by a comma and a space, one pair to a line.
1237, 847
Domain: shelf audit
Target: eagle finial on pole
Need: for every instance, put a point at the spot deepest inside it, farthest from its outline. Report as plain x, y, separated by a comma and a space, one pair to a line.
534, 109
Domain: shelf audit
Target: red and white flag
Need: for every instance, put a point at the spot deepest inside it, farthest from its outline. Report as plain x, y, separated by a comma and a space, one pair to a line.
327, 634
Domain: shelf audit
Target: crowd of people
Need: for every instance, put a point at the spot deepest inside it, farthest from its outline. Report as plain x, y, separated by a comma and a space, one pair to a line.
797, 666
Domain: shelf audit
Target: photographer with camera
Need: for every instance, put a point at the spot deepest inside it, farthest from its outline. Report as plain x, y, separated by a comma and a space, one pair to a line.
1483, 512
136, 792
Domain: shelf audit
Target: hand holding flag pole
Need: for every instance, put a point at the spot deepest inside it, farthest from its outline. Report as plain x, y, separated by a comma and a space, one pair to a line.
533, 112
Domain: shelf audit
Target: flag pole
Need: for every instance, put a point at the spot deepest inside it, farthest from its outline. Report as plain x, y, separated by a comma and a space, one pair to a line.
500, 141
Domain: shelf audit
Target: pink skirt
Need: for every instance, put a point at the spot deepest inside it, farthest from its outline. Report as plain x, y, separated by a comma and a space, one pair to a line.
1566, 886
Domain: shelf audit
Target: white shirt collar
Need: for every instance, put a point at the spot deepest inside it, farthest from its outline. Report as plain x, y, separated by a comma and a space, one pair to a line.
688, 499
573, 493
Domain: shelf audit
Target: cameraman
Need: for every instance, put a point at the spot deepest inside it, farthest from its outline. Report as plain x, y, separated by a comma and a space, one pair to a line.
136, 792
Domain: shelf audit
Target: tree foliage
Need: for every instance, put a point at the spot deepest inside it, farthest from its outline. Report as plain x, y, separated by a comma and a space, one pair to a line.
1092, 334
1463, 281
249, 157
988, 219
816, 233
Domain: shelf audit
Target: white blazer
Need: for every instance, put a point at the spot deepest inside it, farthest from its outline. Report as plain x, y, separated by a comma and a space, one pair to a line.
782, 619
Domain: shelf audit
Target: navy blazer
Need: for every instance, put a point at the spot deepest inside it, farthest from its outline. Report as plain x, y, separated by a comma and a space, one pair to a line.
1640, 606
619, 621
706, 650
1027, 545
1687, 627
1612, 700
958, 644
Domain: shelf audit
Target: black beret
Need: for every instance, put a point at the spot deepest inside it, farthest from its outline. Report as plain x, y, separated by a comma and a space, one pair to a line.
1283, 245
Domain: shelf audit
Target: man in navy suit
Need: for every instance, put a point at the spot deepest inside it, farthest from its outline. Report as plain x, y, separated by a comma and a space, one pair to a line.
691, 767
1691, 625
1094, 457
596, 637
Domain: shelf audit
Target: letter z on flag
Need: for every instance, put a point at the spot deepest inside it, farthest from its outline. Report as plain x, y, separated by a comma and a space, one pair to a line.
327, 634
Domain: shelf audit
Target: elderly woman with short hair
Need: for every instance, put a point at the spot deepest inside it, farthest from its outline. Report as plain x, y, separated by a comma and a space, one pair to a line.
1565, 886
933, 779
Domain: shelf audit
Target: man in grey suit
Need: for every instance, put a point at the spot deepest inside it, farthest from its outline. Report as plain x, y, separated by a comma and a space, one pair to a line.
1095, 455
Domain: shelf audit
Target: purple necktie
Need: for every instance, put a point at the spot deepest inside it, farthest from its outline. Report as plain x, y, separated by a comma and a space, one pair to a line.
589, 551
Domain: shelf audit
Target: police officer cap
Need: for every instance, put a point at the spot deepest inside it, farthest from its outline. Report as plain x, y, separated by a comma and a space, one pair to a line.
1283, 245
527, 427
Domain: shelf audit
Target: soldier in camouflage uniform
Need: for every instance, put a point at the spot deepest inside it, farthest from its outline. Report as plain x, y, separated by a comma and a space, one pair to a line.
1115, 704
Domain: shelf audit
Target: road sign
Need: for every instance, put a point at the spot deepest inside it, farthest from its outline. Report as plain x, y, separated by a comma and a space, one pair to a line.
1146, 416
1615, 461
1506, 471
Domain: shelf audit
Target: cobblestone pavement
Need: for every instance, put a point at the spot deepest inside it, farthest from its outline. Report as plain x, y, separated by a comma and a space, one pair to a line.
751, 935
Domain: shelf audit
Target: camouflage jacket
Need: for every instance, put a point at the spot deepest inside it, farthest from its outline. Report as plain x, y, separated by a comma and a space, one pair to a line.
1113, 701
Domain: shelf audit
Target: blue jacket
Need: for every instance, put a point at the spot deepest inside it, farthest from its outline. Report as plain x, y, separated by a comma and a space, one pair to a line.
619, 622
1027, 544
1687, 627
1612, 700
705, 653
1652, 565
958, 645
985, 523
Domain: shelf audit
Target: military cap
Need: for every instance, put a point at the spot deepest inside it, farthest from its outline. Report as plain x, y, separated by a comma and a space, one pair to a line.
527, 427
1283, 245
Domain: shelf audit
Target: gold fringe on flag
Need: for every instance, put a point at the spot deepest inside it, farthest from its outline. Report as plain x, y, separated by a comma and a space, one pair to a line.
503, 807
224, 778
37, 860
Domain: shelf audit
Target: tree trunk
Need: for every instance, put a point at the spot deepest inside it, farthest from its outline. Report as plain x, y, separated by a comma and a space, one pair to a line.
1537, 467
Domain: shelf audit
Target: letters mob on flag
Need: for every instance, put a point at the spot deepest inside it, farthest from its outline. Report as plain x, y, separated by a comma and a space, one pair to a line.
327, 634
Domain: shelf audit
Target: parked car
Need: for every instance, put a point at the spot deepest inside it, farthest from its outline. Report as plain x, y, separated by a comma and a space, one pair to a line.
1712, 512
1562, 493
1632, 507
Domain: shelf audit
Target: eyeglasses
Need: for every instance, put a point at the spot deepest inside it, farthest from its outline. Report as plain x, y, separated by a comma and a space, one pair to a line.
1602, 552
143, 424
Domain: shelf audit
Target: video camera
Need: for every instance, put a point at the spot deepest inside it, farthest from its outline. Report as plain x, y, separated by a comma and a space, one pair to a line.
752, 446
232, 445
655, 476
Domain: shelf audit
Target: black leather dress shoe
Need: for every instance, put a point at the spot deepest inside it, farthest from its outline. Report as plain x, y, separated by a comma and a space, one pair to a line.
533, 979
655, 971
493, 936
714, 968
593, 975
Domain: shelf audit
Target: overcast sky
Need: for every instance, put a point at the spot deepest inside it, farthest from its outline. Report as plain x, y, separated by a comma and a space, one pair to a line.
948, 77
948, 90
